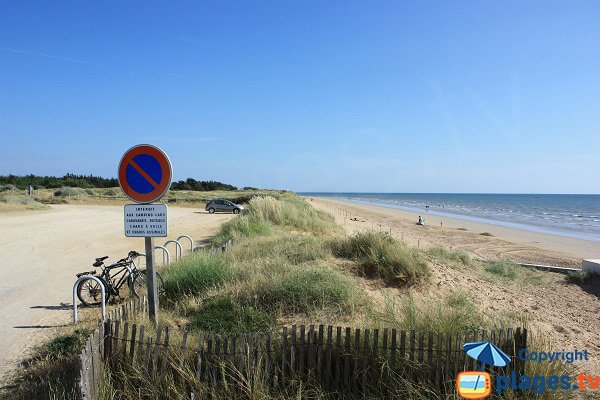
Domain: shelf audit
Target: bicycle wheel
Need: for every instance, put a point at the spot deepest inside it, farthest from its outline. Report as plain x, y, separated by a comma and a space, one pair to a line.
140, 284
89, 292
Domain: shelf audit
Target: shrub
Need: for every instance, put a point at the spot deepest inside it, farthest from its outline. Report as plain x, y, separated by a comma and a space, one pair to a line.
195, 274
110, 192
66, 344
6, 188
69, 191
382, 256
580, 277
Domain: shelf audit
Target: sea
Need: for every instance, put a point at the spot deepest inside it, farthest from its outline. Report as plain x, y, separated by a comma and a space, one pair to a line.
570, 215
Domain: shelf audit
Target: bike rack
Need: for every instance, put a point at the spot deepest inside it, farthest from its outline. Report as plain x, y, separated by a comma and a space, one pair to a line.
141, 255
82, 278
190, 239
166, 254
178, 248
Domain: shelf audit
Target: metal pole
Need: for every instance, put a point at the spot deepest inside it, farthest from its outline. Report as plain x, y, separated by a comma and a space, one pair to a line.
152, 287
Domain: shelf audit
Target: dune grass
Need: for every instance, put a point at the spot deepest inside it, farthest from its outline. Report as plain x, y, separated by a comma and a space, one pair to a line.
48, 373
11, 203
502, 269
455, 313
445, 254
267, 214
284, 247
304, 290
499, 270
194, 274
221, 314
381, 256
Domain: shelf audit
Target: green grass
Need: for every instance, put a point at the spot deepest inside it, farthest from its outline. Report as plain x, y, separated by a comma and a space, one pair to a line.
444, 254
381, 256
286, 290
316, 288
503, 269
195, 274
293, 212
222, 315
65, 344
242, 226
265, 213
284, 247
455, 313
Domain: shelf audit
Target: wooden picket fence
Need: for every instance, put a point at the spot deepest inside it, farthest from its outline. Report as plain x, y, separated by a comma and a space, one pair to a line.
92, 357
350, 362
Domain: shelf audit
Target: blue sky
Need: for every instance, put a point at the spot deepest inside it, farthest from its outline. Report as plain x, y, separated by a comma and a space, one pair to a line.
449, 96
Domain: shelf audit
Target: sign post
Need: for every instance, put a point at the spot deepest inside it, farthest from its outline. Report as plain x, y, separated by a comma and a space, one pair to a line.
145, 176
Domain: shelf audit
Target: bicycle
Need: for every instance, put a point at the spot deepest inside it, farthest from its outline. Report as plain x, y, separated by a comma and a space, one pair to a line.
113, 277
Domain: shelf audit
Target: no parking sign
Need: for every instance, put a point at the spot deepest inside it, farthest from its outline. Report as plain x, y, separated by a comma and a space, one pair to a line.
145, 176
145, 173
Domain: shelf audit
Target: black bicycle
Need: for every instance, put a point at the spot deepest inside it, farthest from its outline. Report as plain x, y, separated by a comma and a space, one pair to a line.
113, 278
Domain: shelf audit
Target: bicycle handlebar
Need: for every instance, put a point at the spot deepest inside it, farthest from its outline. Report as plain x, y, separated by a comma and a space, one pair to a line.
133, 254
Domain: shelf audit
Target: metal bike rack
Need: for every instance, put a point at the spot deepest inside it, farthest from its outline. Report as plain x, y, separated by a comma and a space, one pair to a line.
141, 255
82, 278
178, 248
188, 238
166, 254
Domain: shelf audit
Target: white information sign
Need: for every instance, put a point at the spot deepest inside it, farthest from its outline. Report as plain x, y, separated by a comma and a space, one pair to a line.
146, 220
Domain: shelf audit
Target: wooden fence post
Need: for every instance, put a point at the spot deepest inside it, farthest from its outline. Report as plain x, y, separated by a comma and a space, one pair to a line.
284, 357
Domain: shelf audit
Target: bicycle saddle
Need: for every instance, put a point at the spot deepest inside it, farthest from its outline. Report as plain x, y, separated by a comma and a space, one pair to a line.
99, 261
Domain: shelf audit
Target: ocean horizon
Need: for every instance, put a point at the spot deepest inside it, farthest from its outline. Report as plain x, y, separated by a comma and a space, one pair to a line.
569, 215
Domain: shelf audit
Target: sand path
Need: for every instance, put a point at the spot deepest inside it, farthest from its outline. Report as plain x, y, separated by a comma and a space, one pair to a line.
42, 251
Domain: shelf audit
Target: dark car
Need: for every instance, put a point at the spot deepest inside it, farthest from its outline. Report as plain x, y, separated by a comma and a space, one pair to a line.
222, 205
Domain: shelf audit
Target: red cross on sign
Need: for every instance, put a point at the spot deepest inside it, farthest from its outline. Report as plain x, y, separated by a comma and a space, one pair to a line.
145, 173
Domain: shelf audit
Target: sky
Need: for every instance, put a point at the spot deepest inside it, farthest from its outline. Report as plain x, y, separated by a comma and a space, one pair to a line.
354, 96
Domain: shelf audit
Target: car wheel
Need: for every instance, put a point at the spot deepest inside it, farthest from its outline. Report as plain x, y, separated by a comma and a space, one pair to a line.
211, 210
236, 210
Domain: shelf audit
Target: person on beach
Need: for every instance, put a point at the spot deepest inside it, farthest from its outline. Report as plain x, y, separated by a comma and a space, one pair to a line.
421, 221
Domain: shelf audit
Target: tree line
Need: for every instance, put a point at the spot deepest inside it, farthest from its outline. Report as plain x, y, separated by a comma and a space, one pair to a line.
91, 181
52, 182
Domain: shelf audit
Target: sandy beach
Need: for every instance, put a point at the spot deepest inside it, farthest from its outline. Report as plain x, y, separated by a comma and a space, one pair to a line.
43, 250
566, 314
506, 243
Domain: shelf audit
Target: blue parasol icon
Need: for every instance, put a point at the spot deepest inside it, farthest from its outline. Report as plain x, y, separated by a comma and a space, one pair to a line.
486, 353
